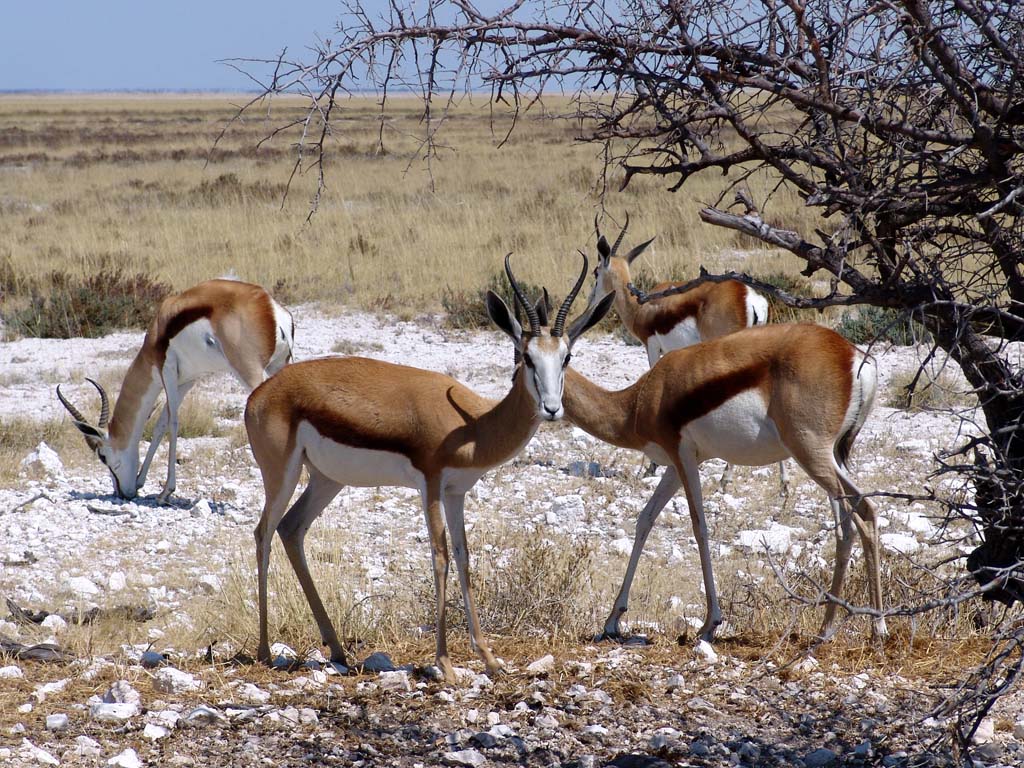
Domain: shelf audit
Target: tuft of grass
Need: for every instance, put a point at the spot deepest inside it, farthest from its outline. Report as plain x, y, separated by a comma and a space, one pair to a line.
19, 436
66, 305
467, 308
941, 391
867, 324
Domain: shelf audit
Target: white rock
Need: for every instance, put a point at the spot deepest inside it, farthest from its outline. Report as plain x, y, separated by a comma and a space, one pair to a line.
397, 680
542, 665
568, 507
57, 722
704, 650
171, 680
43, 461
127, 759
252, 694
546, 721
211, 585
308, 716
986, 731
155, 732
44, 690
200, 508
117, 581
114, 712
86, 747
203, 715
623, 545
806, 664
31, 752
674, 682
776, 538
163, 546
165, 717
122, 692
280, 649
1018, 730
11, 673
469, 757
80, 585
900, 542
54, 623
596, 729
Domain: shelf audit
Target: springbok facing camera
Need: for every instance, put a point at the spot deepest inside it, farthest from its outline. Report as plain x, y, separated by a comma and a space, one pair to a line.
705, 312
360, 422
753, 397
217, 326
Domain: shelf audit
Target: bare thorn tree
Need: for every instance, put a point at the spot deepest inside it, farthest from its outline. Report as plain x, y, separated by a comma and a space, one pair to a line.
900, 121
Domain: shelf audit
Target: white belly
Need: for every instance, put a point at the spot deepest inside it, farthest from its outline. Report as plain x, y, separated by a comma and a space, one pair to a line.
738, 431
197, 351
357, 466
460, 480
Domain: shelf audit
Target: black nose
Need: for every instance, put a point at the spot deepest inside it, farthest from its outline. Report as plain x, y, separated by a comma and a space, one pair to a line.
552, 411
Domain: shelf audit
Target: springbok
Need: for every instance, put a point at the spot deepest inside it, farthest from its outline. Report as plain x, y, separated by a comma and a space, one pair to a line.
217, 326
359, 422
702, 313
753, 397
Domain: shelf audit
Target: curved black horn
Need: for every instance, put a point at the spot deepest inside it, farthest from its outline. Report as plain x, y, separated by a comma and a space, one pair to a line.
75, 413
531, 313
618, 240
563, 311
104, 404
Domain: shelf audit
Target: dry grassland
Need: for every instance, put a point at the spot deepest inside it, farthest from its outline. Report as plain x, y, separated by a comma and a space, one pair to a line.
88, 181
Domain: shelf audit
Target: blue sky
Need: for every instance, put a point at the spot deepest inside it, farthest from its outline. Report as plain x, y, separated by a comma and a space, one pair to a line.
141, 44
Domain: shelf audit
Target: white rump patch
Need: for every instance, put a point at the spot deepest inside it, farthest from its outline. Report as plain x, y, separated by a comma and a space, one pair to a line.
757, 308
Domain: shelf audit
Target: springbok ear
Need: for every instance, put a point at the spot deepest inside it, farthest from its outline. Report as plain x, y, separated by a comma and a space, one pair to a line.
638, 250
603, 249
591, 316
93, 437
502, 317
543, 307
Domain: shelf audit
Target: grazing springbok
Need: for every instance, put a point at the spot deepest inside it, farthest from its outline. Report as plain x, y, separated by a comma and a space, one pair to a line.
753, 397
217, 326
352, 421
702, 313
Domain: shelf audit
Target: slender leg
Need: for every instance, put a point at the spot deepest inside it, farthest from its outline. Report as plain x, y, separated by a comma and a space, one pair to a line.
865, 517
783, 480
278, 486
645, 521
688, 470
293, 527
431, 495
158, 434
844, 546
170, 377
454, 504
727, 478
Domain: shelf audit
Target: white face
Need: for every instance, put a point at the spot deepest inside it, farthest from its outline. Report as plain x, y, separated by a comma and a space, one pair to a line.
602, 281
124, 469
544, 361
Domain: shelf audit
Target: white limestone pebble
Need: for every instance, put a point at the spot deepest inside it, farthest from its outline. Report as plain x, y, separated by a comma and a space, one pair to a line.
127, 759
541, 666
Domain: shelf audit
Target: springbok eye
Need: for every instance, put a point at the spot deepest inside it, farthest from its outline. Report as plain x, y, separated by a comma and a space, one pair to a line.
528, 360
565, 363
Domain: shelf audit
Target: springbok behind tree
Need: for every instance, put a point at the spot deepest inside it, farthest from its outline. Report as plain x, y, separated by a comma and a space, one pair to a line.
353, 421
752, 397
704, 312
217, 326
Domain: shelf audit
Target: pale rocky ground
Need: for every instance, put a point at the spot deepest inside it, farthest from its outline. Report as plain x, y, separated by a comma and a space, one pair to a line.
683, 705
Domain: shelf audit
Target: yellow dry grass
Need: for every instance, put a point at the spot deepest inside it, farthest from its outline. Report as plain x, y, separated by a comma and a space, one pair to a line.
139, 178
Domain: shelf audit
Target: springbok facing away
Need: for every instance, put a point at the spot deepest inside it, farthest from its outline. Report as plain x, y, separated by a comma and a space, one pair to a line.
753, 397
360, 422
703, 313
217, 326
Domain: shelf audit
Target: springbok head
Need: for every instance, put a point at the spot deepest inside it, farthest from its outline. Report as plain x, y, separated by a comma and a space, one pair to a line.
545, 350
612, 270
123, 464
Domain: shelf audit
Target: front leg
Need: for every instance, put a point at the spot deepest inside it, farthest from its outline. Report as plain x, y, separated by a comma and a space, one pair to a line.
666, 489
688, 469
172, 393
158, 434
431, 495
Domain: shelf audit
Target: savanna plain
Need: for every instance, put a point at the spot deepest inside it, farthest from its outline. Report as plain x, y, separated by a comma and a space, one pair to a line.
109, 202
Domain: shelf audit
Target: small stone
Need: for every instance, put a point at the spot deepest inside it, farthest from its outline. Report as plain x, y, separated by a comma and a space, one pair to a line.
11, 673
986, 731
541, 666
895, 759
127, 759
211, 585
30, 751
378, 662
396, 680
308, 716
54, 623
117, 581
86, 747
43, 461
171, 680
114, 712
1018, 729
675, 682
596, 730
155, 732
200, 508
152, 660
484, 740
57, 722
204, 715
820, 758
863, 750
806, 664
82, 586
546, 721
699, 749
464, 757
252, 694
704, 650
122, 692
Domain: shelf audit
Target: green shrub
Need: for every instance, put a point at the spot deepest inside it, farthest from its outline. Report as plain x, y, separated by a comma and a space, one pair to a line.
69, 306
867, 324
466, 309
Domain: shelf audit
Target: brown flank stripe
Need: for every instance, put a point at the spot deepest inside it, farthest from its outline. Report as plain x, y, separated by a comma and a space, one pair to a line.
178, 323
713, 393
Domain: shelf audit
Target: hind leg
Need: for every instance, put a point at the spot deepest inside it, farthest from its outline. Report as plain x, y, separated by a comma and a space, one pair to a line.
865, 517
